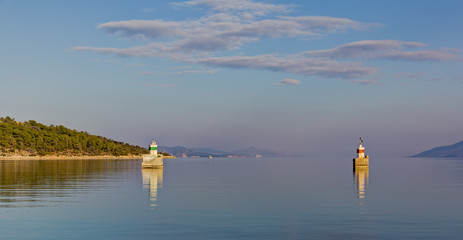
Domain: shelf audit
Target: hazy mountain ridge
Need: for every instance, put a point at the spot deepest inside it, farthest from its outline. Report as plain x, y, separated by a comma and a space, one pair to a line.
450, 151
209, 150
180, 151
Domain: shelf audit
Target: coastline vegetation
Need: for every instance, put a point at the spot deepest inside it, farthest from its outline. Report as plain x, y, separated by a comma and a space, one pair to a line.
31, 138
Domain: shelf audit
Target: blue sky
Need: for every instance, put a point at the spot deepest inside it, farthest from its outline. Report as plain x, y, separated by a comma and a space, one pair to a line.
297, 76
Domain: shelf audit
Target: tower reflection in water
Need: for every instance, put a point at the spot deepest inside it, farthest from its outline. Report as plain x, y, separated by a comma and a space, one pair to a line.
152, 180
361, 182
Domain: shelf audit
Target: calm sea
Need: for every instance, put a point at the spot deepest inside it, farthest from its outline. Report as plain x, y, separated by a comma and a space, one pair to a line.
273, 198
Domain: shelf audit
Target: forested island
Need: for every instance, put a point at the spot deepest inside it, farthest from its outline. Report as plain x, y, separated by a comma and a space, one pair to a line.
33, 139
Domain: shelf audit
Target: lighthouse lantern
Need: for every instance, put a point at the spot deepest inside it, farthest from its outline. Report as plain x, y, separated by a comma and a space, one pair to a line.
153, 148
361, 160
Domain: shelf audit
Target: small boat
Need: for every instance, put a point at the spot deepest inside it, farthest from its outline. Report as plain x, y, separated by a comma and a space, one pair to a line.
210, 157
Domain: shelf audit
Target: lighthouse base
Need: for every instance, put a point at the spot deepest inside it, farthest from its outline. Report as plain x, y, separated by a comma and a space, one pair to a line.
361, 162
152, 161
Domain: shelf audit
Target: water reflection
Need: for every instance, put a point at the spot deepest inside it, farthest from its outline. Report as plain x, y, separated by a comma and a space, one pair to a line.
36, 183
361, 182
152, 180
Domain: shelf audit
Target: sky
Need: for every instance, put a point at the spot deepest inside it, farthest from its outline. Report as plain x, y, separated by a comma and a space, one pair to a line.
303, 77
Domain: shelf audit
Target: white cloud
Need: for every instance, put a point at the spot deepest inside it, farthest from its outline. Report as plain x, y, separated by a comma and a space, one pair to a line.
150, 50
293, 64
385, 49
304, 66
427, 55
229, 25
366, 82
250, 7
142, 28
198, 41
330, 24
363, 49
224, 32
289, 81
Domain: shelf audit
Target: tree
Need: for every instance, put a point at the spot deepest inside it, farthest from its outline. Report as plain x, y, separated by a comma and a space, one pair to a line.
34, 137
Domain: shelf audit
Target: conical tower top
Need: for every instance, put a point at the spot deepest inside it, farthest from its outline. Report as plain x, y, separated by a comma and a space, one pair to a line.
153, 148
361, 149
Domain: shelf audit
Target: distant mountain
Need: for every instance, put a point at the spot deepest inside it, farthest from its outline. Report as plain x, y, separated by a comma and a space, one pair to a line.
209, 150
180, 151
252, 152
450, 151
206, 152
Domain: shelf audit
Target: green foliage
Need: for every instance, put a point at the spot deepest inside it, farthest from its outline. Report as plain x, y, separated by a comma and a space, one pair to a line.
165, 154
38, 139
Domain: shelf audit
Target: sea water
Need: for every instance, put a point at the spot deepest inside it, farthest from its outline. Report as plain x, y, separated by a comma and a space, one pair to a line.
232, 198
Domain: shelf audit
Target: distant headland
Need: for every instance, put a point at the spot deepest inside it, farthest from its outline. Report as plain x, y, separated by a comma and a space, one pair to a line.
449, 151
33, 140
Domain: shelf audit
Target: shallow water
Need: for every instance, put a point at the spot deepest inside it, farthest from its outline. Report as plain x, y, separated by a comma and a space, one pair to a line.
273, 198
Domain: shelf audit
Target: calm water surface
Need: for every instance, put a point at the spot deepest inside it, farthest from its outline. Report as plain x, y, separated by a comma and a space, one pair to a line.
274, 198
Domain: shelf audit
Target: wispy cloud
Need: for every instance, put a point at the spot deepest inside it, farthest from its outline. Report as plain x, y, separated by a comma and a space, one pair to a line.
179, 71
366, 82
304, 66
142, 28
237, 6
198, 41
150, 50
223, 32
386, 49
288, 81
230, 25
426, 55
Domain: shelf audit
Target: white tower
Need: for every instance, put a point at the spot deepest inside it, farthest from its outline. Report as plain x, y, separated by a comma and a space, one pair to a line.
153, 148
361, 160
361, 151
152, 160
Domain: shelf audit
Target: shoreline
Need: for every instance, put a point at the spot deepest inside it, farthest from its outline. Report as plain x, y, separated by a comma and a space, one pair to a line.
54, 157
60, 157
